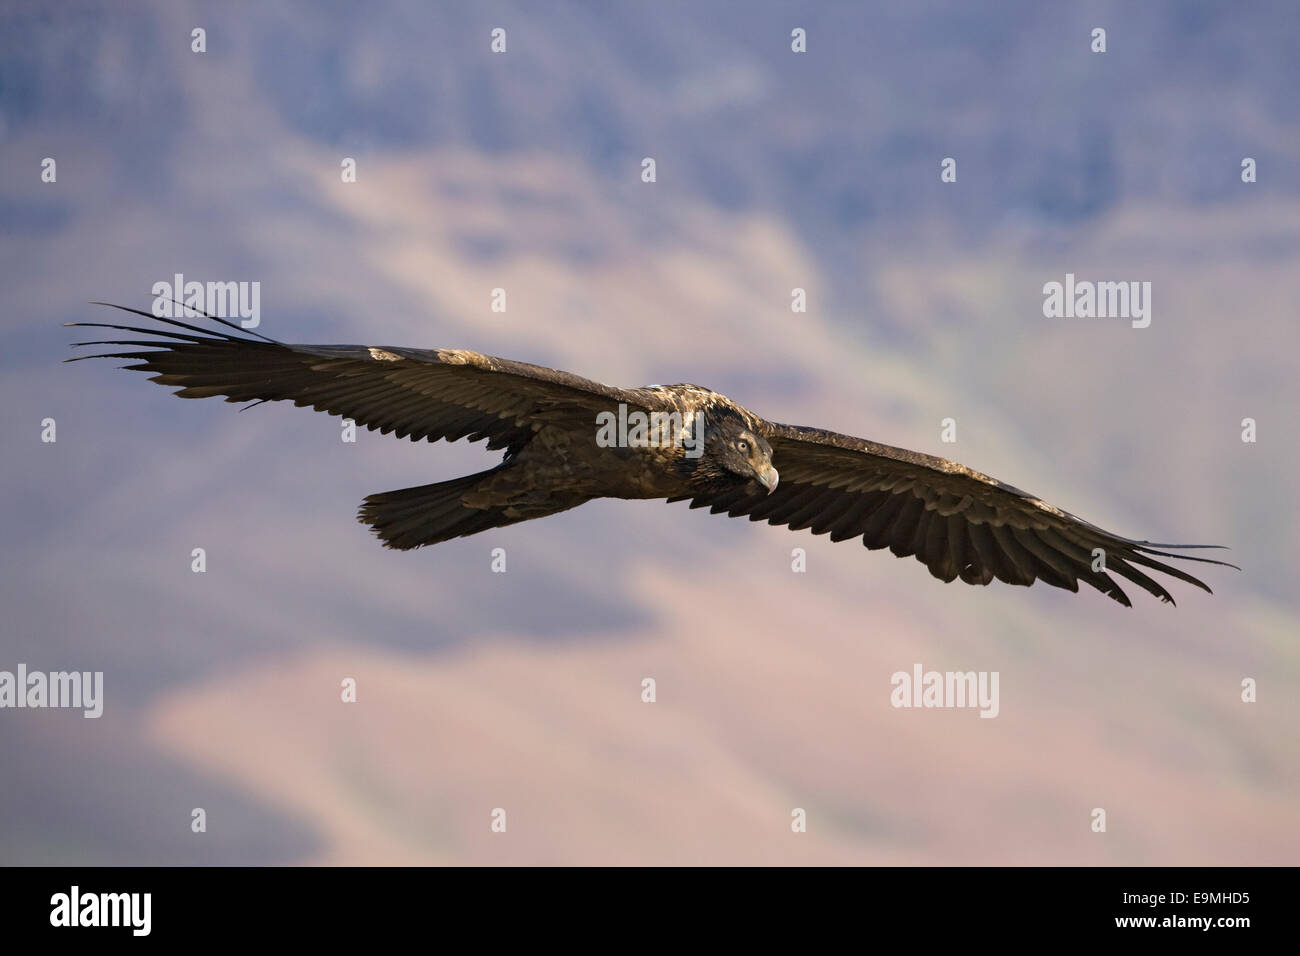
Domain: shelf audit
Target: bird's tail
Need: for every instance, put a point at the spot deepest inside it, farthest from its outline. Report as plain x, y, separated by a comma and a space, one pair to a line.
414, 517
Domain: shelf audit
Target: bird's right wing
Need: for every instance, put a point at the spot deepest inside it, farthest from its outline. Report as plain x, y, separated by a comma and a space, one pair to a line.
421, 393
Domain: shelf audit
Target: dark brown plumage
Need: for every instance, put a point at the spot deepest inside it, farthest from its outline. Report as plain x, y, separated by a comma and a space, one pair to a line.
957, 522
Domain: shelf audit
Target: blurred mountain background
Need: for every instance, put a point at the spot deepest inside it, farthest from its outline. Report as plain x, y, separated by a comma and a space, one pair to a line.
775, 170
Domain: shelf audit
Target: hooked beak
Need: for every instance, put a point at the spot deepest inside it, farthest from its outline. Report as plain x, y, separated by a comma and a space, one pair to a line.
769, 477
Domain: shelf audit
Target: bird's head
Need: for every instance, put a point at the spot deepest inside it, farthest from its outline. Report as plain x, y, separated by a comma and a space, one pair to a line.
736, 452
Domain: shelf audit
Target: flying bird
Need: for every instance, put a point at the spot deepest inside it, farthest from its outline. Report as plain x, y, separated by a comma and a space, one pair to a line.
568, 440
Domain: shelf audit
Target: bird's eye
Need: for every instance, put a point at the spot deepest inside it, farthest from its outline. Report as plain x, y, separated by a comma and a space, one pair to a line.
742, 445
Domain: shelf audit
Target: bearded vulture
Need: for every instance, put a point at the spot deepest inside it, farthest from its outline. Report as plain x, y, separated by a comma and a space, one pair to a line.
568, 440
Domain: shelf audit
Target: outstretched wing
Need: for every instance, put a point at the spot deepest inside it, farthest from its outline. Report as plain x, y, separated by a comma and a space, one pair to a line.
957, 522
420, 393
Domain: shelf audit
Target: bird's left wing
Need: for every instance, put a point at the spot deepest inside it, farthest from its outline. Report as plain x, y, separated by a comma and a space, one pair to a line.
956, 521
421, 393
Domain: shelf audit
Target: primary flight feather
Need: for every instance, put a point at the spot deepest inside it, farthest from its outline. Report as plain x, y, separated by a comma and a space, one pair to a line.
957, 522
